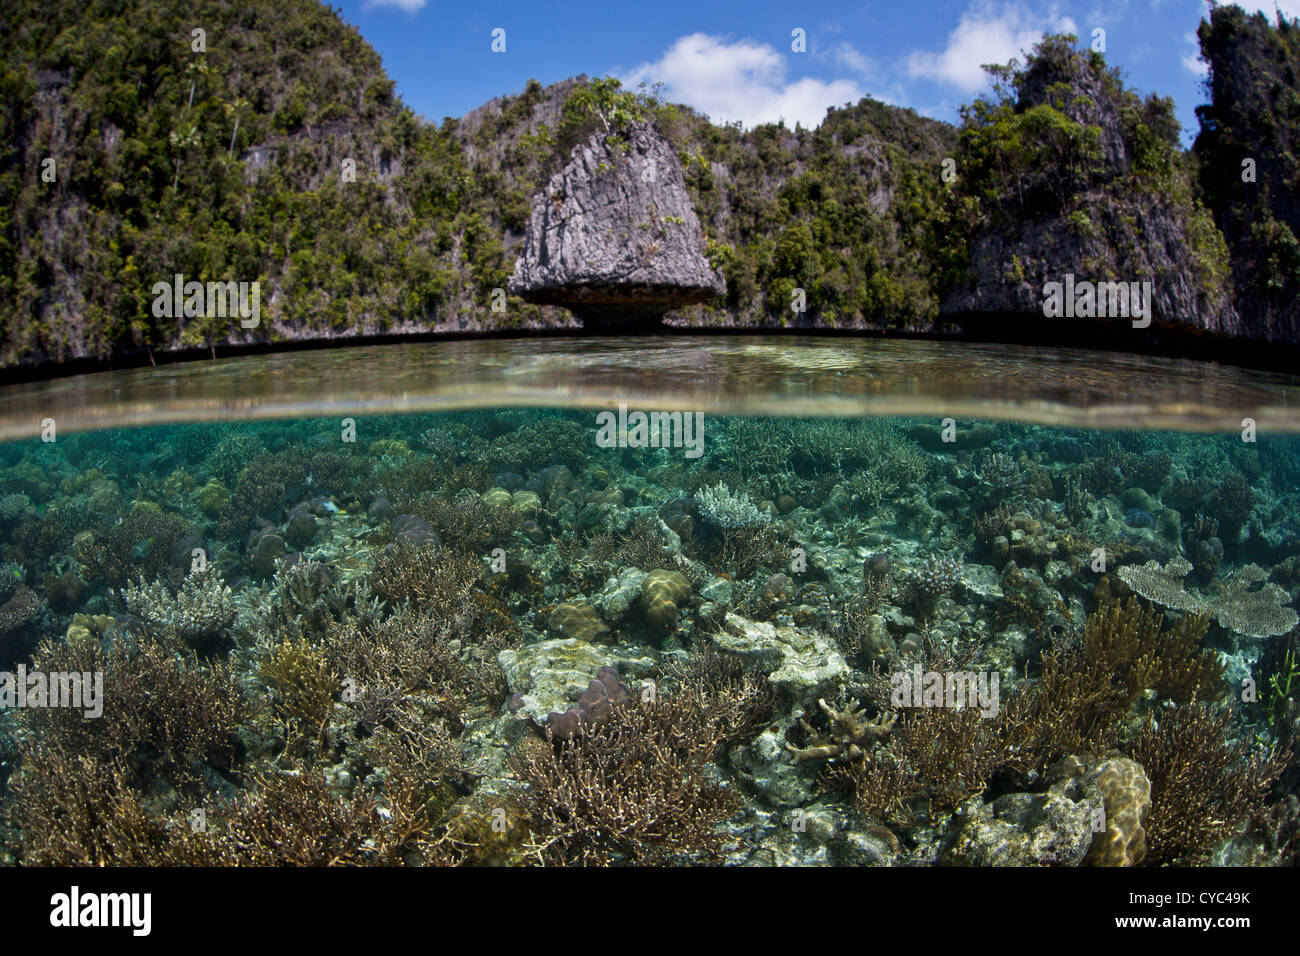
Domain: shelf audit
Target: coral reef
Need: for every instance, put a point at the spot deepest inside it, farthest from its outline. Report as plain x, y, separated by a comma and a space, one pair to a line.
479, 638
849, 739
1126, 793
663, 593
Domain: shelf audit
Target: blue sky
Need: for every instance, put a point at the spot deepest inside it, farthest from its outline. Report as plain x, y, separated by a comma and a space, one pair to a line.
734, 60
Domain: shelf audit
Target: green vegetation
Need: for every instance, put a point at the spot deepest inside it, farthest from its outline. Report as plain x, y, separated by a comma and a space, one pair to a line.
280, 154
1248, 152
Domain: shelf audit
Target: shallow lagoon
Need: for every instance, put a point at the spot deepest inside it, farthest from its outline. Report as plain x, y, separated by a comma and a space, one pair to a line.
404, 604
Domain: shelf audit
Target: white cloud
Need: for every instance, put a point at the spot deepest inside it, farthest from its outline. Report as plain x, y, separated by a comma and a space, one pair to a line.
745, 81
1289, 7
849, 57
407, 6
1192, 62
985, 34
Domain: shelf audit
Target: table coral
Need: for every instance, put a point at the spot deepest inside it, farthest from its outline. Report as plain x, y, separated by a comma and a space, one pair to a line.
1253, 613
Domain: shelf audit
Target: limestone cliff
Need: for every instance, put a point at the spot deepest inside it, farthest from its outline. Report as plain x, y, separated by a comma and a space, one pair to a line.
1086, 181
613, 235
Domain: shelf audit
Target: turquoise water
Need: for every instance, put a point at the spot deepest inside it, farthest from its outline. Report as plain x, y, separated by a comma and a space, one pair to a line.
525, 634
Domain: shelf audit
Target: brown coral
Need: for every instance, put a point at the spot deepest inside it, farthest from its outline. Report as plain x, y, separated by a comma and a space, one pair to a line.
1126, 794
662, 594
849, 738
578, 620
1202, 785
637, 788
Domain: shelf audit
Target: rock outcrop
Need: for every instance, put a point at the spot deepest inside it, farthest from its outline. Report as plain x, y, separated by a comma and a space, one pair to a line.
1248, 153
613, 236
1094, 210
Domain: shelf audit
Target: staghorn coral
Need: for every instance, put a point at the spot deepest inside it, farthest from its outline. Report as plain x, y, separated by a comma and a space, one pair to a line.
859, 632
739, 699
467, 522
1202, 785
231, 454
1231, 503
294, 819
81, 810
409, 653
868, 489
635, 788
1147, 471
161, 708
747, 549
936, 759
1128, 647
303, 681
426, 575
1075, 501
1254, 613
303, 601
643, 545
139, 544
1001, 476
1085, 690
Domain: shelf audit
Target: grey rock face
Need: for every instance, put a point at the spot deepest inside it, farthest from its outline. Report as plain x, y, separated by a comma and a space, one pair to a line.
1137, 239
613, 236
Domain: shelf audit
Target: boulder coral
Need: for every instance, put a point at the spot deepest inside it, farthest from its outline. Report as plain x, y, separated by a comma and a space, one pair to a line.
663, 593
1126, 792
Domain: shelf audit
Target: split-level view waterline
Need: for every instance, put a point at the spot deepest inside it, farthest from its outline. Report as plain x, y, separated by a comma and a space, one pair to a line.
673, 600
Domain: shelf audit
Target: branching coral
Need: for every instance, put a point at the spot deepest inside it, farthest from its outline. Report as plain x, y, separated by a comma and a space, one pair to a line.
407, 653
1202, 786
744, 550
1127, 646
1001, 476
80, 810
849, 738
936, 758
204, 605
1254, 613
303, 680
428, 576
737, 698
160, 705
293, 819
637, 788
729, 509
